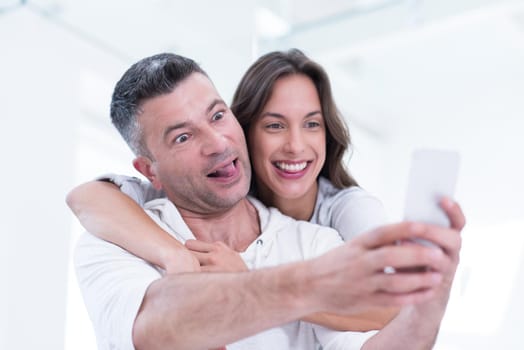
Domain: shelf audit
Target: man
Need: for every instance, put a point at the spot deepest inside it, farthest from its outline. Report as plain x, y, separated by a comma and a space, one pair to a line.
189, 144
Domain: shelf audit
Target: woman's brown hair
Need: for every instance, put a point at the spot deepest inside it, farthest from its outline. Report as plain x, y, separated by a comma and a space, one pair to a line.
254, 91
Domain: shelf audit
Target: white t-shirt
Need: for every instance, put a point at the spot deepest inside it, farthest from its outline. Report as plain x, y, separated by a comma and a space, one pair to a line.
113, 281
351, 211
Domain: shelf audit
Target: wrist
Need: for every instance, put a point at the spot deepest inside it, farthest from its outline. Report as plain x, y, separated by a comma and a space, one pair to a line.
297, 284
309, 288
175, 258
425, 322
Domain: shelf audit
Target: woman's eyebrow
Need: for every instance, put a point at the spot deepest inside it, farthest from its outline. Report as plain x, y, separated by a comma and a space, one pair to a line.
272, 114
280, 116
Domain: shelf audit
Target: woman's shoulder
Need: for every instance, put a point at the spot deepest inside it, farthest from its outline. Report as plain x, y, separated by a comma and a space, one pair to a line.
347, 209
327, 192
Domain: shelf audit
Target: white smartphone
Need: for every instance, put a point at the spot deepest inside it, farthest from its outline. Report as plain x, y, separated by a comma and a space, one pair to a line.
433, 175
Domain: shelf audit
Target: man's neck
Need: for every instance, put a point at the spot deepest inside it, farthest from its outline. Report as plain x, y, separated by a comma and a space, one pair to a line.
237, 227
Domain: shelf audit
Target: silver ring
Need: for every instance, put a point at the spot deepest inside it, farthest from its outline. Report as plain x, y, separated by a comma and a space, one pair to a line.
388, 270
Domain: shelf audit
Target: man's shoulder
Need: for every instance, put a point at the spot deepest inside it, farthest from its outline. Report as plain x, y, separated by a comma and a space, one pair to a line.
168, 217
88, 246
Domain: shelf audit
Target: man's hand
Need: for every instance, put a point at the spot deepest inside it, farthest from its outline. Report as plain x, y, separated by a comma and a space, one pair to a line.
451, 249
216, 256
420, 322
359, 268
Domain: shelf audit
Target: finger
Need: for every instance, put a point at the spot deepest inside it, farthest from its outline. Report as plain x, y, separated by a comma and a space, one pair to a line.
401, 299
204, 258
406, 283
454, 213
390, 234
410, 256
449, 240
198, 246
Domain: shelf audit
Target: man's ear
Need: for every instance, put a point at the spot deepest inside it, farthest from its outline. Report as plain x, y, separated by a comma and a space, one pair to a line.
146, 167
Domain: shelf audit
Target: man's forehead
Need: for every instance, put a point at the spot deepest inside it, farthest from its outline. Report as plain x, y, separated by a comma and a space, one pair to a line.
195, 95
197, 84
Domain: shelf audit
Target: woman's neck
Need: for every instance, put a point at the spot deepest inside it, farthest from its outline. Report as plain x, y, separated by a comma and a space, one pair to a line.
299, 208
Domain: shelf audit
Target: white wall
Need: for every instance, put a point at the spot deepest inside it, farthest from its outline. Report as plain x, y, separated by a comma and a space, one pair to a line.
37, 144
41, 69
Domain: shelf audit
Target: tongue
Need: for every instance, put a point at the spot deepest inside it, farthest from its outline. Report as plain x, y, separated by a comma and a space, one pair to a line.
226, 171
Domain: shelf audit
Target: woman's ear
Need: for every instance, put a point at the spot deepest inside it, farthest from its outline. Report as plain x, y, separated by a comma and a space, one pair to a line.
147, 168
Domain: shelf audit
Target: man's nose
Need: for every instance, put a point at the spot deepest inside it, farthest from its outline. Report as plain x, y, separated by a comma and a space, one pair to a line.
215, 142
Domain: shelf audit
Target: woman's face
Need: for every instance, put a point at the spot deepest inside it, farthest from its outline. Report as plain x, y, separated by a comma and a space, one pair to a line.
287, 142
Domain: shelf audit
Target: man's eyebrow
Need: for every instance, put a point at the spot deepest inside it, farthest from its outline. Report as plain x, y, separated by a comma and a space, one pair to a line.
185, 124
171, 128
213, 104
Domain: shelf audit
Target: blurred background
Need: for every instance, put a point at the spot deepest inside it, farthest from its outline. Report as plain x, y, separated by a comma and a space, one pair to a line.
443, 74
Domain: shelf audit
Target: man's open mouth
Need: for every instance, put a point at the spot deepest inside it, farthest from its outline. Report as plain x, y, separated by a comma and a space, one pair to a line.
227, 170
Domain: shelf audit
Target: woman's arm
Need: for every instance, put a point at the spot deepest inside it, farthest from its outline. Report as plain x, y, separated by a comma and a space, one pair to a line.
111, 215
368, 321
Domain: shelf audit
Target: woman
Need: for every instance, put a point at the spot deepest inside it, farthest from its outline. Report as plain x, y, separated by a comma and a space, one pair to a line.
296, 140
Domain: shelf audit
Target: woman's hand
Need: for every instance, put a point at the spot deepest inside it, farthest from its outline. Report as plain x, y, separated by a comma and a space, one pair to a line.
179, 260
216, 256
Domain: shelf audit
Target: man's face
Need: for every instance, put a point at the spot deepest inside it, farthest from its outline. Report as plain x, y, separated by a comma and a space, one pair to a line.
199, 149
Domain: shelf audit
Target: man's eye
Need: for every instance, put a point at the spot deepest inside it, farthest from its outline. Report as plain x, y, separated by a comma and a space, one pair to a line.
218, 116
182, 138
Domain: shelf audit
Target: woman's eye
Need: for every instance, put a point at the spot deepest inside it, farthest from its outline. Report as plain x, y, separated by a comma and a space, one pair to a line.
218, 116
312, 124
274, 126
182, 138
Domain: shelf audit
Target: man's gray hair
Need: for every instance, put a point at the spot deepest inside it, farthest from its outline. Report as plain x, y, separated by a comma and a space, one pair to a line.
148, 78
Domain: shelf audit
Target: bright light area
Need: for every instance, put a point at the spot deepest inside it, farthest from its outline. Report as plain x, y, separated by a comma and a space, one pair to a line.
487, 275
99, 150
269, 25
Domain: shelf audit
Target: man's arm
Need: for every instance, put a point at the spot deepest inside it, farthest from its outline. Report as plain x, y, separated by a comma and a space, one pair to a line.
218, 257
205, 310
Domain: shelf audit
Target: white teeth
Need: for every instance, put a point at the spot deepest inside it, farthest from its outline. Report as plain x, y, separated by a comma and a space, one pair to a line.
291, 167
